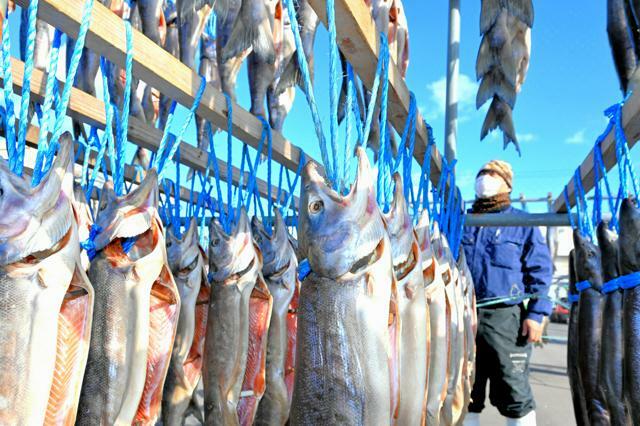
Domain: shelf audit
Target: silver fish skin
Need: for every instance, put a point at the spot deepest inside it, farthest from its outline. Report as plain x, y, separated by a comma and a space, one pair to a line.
252, 29
630, 263
228, 67
187, 262
343, 350
39, 261
589, 268
280, 273
234, 267
577, 392
43, 40
610, 377
440, 313
115, 377
412, 308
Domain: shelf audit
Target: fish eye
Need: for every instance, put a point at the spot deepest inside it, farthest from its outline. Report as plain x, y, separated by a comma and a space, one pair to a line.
1, 191
215, 241
316, 206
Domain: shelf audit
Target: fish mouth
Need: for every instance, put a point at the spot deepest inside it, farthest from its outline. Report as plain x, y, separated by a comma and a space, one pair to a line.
234, 278
404, 268
364, 262
280, 272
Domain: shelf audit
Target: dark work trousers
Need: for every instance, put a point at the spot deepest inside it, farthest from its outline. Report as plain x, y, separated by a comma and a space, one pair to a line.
502, 359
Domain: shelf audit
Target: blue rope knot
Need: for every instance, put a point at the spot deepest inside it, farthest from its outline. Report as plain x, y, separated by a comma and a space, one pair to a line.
627, 282
128, 243
583, 285
573, 298
611, 286
304, 269
89, 244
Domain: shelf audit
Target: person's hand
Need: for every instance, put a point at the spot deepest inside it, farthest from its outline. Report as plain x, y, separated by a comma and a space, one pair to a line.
532, 329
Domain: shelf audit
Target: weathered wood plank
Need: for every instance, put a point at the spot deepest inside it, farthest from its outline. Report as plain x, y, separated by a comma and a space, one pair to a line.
631, 124
90, 110
157, 67
358, 40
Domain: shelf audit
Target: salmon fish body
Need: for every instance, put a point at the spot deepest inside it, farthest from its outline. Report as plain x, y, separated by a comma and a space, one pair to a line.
610, 375
136, 312
187, 262
46, 299
342, 354
407, 263
280, 272
234, 268
629, 264
440, 312
589, 269
423, 233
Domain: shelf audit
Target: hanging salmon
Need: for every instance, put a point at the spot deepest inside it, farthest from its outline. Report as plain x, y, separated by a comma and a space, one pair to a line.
236, 329
470, 323
137, 305
453, 403
187, 261
342, 371
412, 308
428, 276
281, 274
46, 300
440, 325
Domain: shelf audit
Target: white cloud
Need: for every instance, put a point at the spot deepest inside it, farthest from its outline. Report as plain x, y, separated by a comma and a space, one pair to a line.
526, 137
577, 138
467, 89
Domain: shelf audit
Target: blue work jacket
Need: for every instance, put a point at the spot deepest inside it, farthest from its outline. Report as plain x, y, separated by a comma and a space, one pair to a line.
510, 261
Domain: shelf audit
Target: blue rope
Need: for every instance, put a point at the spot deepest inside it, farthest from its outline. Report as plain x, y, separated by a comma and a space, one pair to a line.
10, 115
301, 163
629, 281
308, 90
583, 285
348, 154
216, 173
611, 286
124, 123
335, 83
384, 56
230, 213
26, 87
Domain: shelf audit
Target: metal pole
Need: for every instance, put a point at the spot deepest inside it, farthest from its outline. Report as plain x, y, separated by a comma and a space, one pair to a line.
521, 219
453, 71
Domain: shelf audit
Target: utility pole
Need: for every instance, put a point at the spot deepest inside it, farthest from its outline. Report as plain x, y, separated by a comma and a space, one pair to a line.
453, 71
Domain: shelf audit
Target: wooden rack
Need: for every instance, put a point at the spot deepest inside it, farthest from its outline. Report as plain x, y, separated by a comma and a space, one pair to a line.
631, 124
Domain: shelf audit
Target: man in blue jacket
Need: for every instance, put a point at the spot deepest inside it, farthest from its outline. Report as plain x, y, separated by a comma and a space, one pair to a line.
508, 264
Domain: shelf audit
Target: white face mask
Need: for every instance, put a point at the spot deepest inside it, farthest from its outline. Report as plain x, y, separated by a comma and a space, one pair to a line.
488, 186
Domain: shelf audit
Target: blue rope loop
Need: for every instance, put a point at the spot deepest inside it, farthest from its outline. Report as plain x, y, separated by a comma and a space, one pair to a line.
583, 285
10, 114
304, 269
89, 244
629, 281
611, 286
573, 298
123, 128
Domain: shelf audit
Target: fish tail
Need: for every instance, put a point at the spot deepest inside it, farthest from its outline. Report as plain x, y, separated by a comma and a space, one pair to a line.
245, 36
500, 116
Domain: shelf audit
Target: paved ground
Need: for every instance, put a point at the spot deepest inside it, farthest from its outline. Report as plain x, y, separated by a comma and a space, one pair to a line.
549, 382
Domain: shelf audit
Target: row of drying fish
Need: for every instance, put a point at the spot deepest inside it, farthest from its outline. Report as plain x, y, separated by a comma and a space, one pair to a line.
386, 318
503, 62
604, 338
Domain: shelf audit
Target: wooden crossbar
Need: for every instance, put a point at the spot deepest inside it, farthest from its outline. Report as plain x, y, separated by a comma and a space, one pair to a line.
359, 42
631, 124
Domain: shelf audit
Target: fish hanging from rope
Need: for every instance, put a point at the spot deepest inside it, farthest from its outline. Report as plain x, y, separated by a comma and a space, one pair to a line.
503, 62
228, 67
46, 298
623, 29
137, 308
188, 264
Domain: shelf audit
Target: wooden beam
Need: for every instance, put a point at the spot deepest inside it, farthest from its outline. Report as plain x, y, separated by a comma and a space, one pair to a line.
88, 109
359, 42
159, 69
631, 124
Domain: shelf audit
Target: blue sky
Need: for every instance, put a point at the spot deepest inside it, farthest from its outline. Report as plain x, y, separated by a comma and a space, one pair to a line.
558, 113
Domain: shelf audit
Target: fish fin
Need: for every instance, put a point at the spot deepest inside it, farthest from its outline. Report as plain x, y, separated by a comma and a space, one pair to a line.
494, 84
485, 59
489, 12
244, 37
291, 76
500, 116
523, 10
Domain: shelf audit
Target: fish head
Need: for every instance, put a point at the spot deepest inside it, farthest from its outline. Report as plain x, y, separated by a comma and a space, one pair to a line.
338, 233
399, 224
230, 253
424, 235
609, 250
35, 219
276, 249
185, 257
127, 216
589, 258
629, 237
